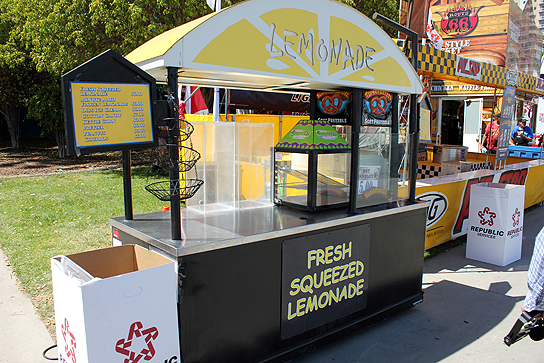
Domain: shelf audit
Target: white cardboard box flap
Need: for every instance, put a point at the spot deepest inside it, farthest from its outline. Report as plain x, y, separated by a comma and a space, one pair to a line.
113, 261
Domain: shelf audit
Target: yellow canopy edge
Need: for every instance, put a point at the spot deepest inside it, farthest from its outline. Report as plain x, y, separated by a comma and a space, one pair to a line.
159, 45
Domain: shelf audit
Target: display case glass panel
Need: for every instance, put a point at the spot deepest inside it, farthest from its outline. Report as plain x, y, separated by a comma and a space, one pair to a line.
384, 168
235, 165
291, 178
332, 179
299, 184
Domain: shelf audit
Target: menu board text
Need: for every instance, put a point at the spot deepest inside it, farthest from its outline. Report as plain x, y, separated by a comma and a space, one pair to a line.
111, 114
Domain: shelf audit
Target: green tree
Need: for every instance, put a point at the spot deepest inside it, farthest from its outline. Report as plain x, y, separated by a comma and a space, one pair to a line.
58, 35
65, 33
387, 8
45, 105
10, 101
16, 74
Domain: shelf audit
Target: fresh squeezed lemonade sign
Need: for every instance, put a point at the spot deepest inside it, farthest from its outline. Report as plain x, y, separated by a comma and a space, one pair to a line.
108, 113
323, 278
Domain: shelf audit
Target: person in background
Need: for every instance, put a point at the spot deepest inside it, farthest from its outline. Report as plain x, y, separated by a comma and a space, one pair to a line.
522, 134
491, 136
535, 277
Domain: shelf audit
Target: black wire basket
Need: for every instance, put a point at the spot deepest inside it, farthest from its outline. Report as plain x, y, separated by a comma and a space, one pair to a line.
185, 127
164, 190
189, 157
185, 130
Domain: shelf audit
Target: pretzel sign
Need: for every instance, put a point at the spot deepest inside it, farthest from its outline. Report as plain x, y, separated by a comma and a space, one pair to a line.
332, 103
378, 103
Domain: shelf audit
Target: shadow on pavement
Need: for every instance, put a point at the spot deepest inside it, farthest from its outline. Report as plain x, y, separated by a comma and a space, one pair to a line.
430, 332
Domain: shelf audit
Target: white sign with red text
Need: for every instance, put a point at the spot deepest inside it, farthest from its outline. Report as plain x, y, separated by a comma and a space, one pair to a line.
495, 223
432, 34
468, 68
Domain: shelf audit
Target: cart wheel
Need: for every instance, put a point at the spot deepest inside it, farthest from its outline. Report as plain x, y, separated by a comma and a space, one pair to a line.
507, 341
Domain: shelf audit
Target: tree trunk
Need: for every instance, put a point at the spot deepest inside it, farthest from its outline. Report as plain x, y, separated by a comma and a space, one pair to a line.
61, 143
11, 114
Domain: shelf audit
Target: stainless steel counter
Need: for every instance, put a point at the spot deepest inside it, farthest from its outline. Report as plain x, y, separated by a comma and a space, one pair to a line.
214, 230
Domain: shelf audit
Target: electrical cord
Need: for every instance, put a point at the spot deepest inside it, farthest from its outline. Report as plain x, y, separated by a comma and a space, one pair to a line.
47, 350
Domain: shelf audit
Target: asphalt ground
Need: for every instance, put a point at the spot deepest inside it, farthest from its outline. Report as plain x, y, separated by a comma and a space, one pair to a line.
468, 308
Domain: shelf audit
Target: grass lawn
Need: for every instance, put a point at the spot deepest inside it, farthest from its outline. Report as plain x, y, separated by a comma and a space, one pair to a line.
41, 217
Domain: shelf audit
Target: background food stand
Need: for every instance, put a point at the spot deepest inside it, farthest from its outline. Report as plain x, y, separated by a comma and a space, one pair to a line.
259, 280
468, 75
482, 41
449, 195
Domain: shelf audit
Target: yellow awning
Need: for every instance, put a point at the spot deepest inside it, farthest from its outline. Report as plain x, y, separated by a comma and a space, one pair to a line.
159, 45
281, 45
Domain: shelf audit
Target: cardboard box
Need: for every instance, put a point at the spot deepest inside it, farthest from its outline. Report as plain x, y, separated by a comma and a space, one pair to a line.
116, 304
495, 223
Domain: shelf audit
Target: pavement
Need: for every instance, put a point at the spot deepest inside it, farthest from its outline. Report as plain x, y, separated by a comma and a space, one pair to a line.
23, 337
468, 308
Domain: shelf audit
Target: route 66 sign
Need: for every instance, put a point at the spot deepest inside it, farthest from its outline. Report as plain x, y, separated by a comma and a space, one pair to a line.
459, 20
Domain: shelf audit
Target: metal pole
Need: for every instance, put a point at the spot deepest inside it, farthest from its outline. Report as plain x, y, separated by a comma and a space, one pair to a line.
127, 185
414, 131
173, 152
394, 167
216, 95
216, 98
355, 130
311, 203
227, 102
313, 104
414, 119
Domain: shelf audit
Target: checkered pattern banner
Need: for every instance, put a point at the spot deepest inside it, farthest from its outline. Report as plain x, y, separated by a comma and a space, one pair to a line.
526, 82
443, 63
436, 61
493, 74
479, 166
427, 171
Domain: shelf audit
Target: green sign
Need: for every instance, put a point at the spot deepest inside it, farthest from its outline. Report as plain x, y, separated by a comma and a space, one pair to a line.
313, 135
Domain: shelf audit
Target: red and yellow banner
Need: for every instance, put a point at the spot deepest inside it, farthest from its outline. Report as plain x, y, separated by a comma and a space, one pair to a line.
447, 217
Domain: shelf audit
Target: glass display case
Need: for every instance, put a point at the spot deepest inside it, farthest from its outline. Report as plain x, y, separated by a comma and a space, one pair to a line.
312, 167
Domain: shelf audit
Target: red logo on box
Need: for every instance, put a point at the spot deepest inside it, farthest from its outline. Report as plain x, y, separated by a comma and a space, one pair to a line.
515, 218
136, 331
486, 217
70, 343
